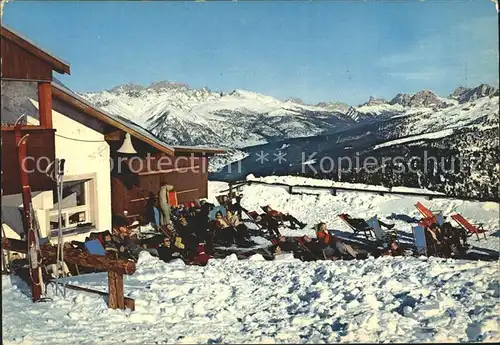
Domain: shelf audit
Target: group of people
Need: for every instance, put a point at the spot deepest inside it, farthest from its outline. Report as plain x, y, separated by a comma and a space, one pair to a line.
445, 240
327, 246
193, 231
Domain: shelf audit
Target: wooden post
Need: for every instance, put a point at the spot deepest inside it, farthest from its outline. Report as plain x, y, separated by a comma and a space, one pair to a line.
45, 104
116, 299
334, 192
230, 189
290, 188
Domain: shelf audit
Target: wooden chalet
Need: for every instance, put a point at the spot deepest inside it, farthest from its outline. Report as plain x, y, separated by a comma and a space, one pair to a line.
28, 69
100, 181
138, 177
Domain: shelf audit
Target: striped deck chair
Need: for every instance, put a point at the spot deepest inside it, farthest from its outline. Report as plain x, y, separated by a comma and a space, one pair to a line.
419, 237
424, 210
470, 228
366, 230
383, 236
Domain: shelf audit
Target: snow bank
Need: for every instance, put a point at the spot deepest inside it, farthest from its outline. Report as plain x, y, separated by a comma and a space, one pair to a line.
254, 301
403, 299
432, 135
392, 208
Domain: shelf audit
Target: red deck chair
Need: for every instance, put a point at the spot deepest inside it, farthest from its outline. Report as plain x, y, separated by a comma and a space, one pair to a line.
424, 210
172, 198
470, 228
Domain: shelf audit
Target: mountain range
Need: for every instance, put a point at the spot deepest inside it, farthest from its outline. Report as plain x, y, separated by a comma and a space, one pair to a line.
246, 123
184, 116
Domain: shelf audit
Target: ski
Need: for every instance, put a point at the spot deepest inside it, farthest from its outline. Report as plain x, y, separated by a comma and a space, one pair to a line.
33, 254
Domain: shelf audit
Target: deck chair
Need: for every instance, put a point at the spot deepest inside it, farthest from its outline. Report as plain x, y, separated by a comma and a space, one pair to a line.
216, 209
383, 236
419, 237
366, 230
252, 215
438, 215
470, 228
424, 210
95, 247
172, 198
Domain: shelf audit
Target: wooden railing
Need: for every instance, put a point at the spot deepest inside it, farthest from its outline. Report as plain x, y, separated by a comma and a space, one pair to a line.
334, 189
115, 268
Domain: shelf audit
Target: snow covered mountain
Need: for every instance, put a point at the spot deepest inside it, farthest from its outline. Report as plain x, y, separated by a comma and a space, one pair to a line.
463, 124
463, 137
185, 116
181, 115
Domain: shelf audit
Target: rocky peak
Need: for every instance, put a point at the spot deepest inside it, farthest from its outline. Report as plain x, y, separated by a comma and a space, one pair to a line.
459, 91
167, 85
126, 88
402, 99
482, 90
295, 100
375, 101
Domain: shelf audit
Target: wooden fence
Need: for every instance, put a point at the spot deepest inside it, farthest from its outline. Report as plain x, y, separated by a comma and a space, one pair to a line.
334, 189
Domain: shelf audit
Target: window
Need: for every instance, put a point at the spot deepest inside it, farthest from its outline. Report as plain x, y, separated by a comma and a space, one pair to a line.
75, 205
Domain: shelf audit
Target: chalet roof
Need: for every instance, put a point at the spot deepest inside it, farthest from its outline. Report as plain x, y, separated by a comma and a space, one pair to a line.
120, 122
58, 64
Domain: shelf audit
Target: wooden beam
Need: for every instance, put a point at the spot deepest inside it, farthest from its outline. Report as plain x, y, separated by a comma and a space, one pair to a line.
45, 104
115, 290
128, 302
114, 136
166, 171
30, 128
74, 256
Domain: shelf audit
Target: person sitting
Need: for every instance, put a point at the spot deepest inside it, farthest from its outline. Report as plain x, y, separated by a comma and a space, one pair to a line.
360, 223
166, 251
310, 250
434, 240
284, 217
241, 230
333, 246
110, 245
201, 258
451, 237
126, 243
224, 232
187, 232
283, 246
394, 249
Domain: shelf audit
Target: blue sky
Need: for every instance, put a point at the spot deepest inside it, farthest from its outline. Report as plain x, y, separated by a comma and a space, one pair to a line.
316, 51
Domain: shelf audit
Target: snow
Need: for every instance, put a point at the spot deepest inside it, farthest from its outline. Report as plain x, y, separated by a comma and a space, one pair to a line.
298, 181
431, 135
405, 299
256, 301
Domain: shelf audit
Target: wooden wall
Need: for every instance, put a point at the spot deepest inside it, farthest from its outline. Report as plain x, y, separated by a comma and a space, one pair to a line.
131, 191
17, 63
40, 144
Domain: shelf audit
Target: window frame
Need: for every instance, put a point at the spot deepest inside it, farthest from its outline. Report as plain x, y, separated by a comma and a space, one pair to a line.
90, 207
